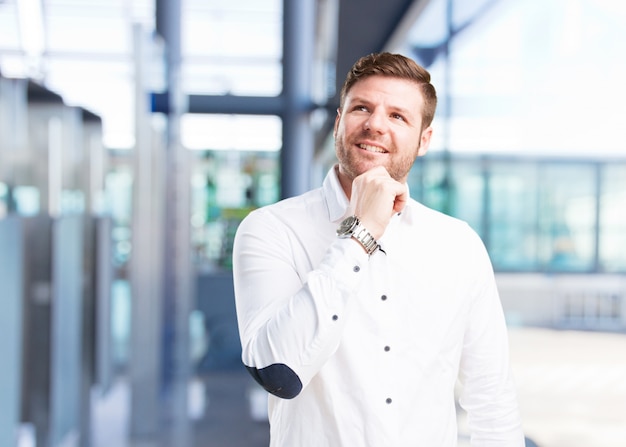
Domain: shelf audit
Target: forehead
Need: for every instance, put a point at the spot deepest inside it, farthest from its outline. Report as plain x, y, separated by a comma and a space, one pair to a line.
388, 90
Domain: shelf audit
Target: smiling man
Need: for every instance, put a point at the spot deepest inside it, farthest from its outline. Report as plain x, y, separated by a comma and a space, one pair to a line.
358, 307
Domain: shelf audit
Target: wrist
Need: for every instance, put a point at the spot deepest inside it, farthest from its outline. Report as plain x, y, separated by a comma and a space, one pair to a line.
352, 227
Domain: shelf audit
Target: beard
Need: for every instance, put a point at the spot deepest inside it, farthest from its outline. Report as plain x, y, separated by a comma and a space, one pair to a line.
354, 161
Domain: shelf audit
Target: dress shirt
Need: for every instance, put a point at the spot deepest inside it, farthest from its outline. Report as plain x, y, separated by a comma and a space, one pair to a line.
366, 351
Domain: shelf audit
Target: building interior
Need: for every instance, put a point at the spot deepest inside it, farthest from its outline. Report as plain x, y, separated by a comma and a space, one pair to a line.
136, 135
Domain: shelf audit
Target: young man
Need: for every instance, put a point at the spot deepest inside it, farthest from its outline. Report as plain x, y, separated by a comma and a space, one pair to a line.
358, 307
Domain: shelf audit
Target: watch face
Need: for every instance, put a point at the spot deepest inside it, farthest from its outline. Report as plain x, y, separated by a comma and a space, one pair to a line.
347, 225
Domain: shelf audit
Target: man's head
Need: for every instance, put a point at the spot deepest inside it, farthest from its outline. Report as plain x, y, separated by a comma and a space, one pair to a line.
387, 106
397, 66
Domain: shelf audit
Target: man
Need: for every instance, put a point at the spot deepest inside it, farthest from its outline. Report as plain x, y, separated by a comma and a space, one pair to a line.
358, 307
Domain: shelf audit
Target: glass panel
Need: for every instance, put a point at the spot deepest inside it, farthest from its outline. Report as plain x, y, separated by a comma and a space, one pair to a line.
119, 184
613, 219
466, 191
233, 78
512, 215
514, 66
4, 200
226, 186
434, 190
232, 48
26, 200
231, 132
567, 215
452, 187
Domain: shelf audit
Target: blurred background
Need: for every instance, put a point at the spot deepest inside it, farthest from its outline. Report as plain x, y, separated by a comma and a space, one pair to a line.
135, 136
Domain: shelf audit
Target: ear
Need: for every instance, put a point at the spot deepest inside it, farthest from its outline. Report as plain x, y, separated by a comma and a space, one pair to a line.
425, 141
337, 118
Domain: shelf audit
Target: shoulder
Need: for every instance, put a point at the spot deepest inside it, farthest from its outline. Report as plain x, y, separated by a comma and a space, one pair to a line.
287, 211
424, 215
442, 228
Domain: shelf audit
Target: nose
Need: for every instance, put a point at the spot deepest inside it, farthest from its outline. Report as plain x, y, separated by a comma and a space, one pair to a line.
376, 122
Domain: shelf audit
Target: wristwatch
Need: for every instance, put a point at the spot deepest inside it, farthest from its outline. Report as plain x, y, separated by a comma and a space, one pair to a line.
352, 227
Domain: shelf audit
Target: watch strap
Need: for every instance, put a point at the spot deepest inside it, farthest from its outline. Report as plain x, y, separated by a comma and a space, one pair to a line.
352, 227
365, 239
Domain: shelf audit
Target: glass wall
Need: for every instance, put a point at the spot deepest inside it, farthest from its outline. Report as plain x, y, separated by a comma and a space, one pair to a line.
534, 215
525, 77
232, 47
566, 223
612, 235
226, 186
235, 168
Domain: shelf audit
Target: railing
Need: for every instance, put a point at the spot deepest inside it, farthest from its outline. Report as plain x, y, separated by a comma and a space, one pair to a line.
603, 310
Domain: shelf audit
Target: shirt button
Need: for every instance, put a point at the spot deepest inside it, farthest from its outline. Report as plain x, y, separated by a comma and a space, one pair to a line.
383, 297
387, 348
356, 269
388, 400
335, 317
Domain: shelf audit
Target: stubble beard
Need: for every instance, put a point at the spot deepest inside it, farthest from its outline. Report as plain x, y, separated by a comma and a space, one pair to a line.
352, 164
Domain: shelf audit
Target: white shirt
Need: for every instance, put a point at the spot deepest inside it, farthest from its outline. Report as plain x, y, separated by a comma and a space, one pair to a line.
376, 343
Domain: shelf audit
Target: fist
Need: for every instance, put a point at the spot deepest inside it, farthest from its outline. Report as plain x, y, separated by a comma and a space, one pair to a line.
375, 198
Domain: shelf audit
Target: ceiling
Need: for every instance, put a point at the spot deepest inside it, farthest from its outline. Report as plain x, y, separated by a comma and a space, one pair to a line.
83, 49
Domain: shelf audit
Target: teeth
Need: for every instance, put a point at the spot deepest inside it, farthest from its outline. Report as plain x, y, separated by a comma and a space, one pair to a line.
369, 148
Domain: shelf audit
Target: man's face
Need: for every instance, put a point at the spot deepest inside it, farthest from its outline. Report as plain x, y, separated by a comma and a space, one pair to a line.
380, 125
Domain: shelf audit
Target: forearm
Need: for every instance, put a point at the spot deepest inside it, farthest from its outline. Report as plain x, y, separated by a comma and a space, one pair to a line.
285, 350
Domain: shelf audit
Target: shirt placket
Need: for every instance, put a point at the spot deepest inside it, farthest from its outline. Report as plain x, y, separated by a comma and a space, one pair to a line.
383, 298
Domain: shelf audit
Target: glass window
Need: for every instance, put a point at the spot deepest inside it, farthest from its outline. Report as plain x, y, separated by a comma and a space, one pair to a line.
466, 188
515, 74
231, 132
119, 195
226, 186
428, 183
232, 47
567, 217
512, 216
236, 169
613, 219
4, 200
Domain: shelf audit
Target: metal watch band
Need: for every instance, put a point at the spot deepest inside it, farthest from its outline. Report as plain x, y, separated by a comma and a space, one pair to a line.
352, 227
365, 239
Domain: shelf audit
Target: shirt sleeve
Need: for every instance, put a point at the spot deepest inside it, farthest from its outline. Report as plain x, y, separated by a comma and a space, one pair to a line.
290, 325
489, 394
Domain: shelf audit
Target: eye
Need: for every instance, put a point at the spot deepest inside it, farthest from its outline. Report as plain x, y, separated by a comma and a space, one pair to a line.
397, 116
360, 108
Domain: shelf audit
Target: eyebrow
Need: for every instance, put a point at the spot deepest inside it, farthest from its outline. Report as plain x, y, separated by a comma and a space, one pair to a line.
398, 109
393, 108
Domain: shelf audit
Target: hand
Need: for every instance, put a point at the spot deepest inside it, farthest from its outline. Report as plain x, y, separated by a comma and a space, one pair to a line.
375, 198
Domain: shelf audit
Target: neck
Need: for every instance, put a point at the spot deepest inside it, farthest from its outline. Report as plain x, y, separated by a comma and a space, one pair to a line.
344, 181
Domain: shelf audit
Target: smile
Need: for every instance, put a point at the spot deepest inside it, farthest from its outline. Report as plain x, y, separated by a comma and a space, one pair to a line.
370, 148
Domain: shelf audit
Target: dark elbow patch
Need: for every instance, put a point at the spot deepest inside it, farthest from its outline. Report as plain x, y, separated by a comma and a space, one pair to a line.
277, 379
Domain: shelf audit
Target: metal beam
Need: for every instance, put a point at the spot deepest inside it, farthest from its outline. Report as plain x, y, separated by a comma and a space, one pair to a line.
298, 53
176, 267
365, 26
228, 104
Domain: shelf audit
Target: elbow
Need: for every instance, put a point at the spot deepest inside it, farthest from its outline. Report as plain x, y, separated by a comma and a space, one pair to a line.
277, 379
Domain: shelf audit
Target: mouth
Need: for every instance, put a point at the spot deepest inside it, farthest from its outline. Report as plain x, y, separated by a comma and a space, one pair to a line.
371, 148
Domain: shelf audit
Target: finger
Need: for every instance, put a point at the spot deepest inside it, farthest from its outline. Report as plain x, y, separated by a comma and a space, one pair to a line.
402, 197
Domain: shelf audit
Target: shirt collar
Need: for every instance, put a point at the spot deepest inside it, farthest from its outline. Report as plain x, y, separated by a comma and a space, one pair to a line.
336, 199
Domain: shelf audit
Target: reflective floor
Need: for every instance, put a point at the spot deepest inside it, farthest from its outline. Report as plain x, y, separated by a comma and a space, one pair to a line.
226, 419
571, 386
